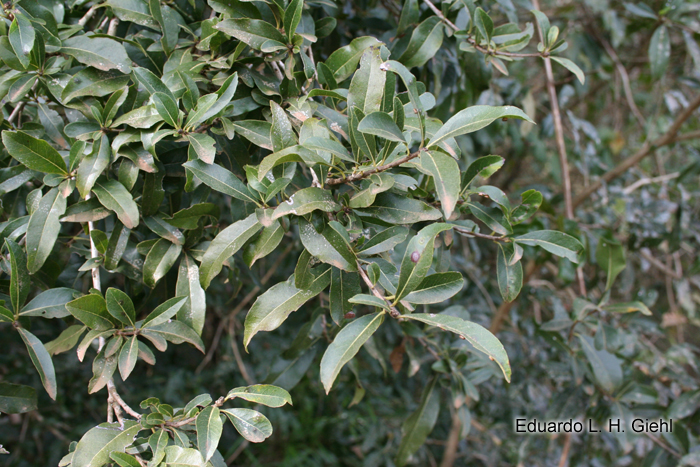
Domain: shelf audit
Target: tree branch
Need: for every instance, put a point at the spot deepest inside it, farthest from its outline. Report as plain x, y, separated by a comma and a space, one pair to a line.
647, 148
454, 27
493, 238
392, 309
367, 173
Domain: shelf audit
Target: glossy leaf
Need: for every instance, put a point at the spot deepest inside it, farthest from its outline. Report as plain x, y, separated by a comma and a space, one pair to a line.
476, 335
273, 307
345, 345
252, 425
41, 360
266, 394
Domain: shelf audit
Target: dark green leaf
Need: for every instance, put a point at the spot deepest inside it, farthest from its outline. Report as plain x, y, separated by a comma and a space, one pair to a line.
345, 345
42, 361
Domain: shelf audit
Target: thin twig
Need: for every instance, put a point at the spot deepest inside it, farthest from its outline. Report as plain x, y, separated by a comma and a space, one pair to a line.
647, 148
493, 238
237, 354
558, 128
392, 309
237, 452
622, 71
471, 40
87, 16
112, 30
648, 181
565, 451
360, 175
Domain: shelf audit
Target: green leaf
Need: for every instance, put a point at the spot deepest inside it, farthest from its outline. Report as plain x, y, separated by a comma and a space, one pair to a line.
92, 166
258, 34
484, 24
659, 51
151, 82
167, 108
345, 345
607, 368
50, 303
33, 153
98, 52
281, 132
445, 173
21, 37
295, 153
120, 306
15, 398
159, 260
419, 424
116, 198
492, 217
483, 167
412, 272
531, 201
369, 300
42, 361
478, 336
194, 309
266, 394
292, 17
343, 61
475, 118
384, 241
20, 283
273, 307
91, 310
66, 340
381, 124
610, 255
343, 286
396, 209
175, 332
128, 356
225, 245
141, 117
572, 67
164, 229
163, 312
188, 218
43, 229
318, 143
224, 96
255, 131
116, 246
305, 201
252, 425
92, 82
555, 242
628, 307
219, 179
267, 241
197, 115
177, 456
425, 41
367, 86
436, 288
204, 147
510, 276
209, 427
329, 246
95, 447
543, 23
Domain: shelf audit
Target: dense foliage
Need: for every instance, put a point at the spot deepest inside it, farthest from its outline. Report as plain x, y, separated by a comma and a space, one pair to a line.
297, 190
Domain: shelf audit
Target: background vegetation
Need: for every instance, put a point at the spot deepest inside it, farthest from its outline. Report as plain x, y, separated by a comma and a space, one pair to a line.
107, 137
